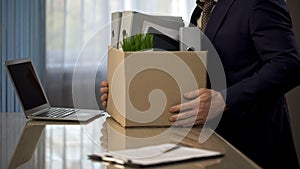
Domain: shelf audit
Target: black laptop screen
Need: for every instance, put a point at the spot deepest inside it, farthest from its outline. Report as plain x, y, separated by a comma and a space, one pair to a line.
27, 85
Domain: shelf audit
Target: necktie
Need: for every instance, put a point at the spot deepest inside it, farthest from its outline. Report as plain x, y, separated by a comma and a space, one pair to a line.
206, 10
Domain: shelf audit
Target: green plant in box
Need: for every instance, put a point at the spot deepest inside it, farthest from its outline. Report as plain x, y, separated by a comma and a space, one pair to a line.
137, 42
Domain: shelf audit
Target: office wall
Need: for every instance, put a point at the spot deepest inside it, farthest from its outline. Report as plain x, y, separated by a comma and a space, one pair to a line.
293, 96
22, 35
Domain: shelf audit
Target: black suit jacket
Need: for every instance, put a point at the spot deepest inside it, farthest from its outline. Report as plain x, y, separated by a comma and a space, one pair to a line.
260, 56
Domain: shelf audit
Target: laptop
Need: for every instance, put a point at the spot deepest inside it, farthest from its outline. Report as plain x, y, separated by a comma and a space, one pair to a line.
33, 99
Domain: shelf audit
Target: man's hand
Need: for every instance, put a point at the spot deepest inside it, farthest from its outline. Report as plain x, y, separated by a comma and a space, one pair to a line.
205, 104
104, 91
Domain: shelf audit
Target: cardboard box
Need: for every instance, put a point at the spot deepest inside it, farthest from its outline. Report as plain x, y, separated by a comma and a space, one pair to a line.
144, 85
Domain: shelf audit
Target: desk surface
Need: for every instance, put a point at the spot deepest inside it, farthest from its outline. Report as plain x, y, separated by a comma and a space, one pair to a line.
42, 144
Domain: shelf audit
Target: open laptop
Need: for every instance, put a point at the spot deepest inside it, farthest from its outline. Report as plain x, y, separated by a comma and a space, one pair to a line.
32, 96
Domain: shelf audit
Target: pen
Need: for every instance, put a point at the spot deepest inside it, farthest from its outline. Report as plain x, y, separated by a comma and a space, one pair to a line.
108, 159
112, 159
171, 149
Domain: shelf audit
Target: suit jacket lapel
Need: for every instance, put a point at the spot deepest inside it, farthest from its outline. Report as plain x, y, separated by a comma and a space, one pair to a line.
195, 16
217, 17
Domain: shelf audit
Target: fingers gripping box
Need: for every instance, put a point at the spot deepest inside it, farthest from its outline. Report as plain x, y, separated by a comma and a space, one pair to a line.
144, 85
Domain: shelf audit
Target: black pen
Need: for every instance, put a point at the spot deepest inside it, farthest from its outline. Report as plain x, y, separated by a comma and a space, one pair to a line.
107, 158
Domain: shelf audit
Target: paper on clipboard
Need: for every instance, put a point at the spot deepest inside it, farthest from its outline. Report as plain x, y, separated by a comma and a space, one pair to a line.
154, 155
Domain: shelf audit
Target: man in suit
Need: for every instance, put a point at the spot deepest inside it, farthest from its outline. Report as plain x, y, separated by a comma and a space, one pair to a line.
260, 56
261, 60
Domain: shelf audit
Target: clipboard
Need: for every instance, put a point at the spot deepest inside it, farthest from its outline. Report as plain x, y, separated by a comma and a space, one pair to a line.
154, 155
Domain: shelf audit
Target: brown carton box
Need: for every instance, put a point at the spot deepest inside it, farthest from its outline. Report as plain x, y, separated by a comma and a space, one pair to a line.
143, 85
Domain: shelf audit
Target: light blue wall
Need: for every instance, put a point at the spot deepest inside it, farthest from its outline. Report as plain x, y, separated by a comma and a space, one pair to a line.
22, 35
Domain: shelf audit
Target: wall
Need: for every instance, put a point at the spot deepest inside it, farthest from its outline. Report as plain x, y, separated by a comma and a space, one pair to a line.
22, 35
293, 96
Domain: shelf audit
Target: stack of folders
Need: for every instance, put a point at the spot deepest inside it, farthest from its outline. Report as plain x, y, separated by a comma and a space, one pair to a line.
165, 29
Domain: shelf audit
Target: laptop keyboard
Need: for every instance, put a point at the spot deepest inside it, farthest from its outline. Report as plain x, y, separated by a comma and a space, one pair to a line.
58, 112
